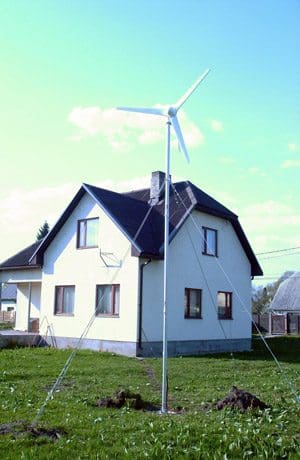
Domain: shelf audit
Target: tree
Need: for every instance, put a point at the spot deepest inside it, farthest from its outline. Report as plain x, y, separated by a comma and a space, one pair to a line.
43, 231
262, 296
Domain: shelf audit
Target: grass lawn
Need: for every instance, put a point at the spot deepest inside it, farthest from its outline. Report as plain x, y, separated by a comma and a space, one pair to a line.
200, 432
4, 326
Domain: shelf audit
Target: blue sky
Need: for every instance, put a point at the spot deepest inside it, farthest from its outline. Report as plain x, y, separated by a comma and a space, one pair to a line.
65, 64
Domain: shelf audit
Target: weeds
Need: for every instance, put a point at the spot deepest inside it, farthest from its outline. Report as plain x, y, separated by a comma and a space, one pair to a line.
196, 383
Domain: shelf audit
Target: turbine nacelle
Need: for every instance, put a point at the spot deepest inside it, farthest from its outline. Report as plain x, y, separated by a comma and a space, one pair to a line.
172, 111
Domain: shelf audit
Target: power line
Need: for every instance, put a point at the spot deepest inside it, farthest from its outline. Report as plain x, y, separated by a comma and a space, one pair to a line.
281, 255
277, 250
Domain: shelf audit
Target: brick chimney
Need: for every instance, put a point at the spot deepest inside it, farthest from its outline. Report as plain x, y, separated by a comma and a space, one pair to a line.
157, 189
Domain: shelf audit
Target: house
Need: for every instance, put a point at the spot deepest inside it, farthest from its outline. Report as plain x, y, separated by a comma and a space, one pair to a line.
8, 297
103, 261
285, 306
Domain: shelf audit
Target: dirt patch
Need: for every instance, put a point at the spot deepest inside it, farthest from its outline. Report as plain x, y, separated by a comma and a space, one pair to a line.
127, 398
153, 380
242, 400
22, 427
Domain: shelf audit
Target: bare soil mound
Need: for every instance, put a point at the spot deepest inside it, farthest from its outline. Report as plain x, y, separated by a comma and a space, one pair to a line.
22, 427
242, 400
129, 399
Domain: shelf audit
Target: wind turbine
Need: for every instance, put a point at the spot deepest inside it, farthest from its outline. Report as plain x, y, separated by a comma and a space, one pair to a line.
170, 112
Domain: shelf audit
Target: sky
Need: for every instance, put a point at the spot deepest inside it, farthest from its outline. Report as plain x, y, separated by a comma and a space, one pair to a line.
65, 65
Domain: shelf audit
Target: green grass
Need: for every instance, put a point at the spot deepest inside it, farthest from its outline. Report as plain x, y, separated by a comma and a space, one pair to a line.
199, 433
4, 326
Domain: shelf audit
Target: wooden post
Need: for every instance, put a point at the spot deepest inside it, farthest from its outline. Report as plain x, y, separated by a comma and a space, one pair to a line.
270, 322
286, 323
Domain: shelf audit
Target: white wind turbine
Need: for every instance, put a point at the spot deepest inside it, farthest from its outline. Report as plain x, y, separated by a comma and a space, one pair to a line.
170, 112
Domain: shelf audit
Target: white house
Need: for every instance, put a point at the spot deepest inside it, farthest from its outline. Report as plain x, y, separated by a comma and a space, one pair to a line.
103, 261
8, 296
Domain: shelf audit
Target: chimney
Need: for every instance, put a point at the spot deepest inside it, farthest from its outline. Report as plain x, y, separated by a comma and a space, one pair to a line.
157, 188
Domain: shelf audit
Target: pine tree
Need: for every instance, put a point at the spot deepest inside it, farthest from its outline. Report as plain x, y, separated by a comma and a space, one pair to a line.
43, 231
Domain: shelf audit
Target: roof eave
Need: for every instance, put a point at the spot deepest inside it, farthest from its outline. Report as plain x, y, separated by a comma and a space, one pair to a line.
21, 267
145, 254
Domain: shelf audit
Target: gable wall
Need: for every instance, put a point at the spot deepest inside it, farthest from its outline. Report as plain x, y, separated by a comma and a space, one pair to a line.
64, 264
185, 272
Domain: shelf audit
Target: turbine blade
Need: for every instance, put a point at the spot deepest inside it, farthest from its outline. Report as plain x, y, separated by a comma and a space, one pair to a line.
147, 110
177, 129
182, 100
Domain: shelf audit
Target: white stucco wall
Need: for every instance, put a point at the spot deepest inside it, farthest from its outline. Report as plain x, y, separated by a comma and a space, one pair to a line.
64, 264
187, 270
8, 305
21, 276
24, 297
22, 307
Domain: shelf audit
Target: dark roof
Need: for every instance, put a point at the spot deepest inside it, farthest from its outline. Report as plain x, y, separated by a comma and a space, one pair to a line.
9, 292
21, 259
143, 224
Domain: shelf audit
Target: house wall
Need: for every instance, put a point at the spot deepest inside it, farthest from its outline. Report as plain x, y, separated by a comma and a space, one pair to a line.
22, 307
21, 276
64, 264
186, 269
8, 305
24, 297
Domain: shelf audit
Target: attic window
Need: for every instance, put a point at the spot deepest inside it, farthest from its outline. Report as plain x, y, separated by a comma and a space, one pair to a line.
210, 242
87, 233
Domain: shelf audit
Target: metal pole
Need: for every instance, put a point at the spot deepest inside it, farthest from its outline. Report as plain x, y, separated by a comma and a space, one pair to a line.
164, 403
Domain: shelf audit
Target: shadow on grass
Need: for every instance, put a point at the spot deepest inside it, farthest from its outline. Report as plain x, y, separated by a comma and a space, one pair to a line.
285, 348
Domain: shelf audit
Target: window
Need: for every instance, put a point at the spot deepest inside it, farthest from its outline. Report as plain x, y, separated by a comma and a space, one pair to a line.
87, 233
192, 306
108, 299
64, 300
210, 241
224, 305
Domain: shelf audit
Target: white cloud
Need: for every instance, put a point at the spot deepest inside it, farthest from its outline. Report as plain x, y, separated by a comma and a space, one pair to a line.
24, 211
293, 147
271, 212
269, 222
192, 134
122, 129
256, 172
217, 126
290, 164
149, 137
227, 160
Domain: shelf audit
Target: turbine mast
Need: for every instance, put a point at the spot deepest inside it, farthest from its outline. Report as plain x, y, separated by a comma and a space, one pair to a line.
164, 399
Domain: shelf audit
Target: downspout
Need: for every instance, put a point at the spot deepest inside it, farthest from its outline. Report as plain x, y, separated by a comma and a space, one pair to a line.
29, 305
140, 313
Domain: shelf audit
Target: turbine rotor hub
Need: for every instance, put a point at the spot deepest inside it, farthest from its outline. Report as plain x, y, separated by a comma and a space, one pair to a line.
172, 111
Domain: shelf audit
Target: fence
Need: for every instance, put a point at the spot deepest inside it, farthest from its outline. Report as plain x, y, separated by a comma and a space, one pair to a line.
288, 323
7, 316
